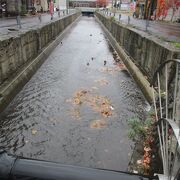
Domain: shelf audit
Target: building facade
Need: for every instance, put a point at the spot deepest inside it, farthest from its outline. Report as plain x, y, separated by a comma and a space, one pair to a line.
82, 3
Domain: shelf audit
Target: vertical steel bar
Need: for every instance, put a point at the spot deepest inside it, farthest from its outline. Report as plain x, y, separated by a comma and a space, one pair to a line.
175, 91
170, 147
166, 133
155, 108
162, 125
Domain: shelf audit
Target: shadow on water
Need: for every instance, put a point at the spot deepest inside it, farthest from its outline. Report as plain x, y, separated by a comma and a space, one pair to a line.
125, 72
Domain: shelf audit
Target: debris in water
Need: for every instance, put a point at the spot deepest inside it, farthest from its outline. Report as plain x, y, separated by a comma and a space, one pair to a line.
77, 101
33, 131
110, 70
90, 34
121, 66
87, 64
98, 124
99, 104
75, 112
102, 82
92, 58
135, 172
94, 88
112, 108
139, 162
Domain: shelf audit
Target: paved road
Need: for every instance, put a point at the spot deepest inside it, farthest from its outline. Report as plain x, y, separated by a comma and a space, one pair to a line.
74, 110
163, 30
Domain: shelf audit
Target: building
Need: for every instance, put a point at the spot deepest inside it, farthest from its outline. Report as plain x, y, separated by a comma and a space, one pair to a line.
61, 4
82, 3
40, 5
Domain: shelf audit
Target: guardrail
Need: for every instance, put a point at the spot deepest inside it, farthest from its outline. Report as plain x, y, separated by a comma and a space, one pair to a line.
166, 95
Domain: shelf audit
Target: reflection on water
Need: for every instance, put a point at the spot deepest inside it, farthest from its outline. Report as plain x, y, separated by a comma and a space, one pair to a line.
43, 122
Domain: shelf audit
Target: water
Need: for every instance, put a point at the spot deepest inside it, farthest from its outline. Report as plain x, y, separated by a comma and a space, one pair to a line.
43, 123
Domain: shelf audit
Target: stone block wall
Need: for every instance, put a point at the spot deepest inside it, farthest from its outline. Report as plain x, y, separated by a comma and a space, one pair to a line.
147, 51
16, 51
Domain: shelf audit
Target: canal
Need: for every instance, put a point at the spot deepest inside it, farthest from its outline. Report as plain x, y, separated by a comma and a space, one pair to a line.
75, 108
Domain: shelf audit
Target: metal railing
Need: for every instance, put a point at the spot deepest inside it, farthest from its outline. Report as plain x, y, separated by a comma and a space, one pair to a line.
166, 95
44, 18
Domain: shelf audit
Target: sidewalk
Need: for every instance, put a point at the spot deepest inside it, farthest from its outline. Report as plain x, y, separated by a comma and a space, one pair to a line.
8, 24
162, 30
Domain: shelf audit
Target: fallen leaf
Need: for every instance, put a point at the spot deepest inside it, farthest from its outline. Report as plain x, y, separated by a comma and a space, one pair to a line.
102, 82
98, 124
139, 162
77, 101
75, 112
147, 149
94, 88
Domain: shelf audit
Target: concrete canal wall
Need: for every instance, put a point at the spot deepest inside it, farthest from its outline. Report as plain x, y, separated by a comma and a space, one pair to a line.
142, 53
22, 54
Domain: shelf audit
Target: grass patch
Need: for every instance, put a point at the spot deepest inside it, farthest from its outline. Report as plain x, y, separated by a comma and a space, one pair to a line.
176, 44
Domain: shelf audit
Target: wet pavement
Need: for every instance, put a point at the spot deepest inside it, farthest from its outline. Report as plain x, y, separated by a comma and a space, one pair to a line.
61, 113
7, 25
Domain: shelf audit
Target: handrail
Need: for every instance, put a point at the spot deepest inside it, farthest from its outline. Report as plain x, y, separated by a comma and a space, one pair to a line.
160, 68
14, 167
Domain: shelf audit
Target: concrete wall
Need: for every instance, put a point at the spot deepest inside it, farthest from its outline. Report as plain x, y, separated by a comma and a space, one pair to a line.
141, 53
146, 51
22, 54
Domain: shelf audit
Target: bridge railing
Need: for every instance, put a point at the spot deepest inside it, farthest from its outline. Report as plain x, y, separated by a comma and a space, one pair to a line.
166, 94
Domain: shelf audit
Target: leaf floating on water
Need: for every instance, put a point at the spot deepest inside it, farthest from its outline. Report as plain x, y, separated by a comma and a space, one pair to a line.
77, 101
99, 104
94, 88
121, 66
102, 82
111, 70
75, 112
98, 124
33, 131
147, 149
